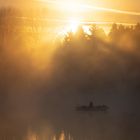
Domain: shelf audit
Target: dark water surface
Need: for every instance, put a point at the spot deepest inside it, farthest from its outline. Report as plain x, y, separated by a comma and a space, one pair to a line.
71, 125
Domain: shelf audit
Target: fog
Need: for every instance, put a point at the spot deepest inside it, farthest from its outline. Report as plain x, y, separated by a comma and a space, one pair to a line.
44, 77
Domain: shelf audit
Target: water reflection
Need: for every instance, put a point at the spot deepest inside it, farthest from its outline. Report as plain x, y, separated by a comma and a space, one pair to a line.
73, 126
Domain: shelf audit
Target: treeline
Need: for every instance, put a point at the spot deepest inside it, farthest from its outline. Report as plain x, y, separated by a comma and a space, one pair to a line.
15, 23
93, 62
119, 35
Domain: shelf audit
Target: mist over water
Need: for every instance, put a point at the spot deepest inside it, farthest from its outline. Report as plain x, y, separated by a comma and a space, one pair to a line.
43, 80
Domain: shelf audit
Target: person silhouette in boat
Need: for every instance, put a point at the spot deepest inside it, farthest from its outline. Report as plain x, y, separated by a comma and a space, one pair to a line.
91, 105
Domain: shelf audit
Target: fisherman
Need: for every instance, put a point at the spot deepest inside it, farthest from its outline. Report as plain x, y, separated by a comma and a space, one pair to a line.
91, 105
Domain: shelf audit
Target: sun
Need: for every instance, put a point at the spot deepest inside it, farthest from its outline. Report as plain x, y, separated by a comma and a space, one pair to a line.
73, 25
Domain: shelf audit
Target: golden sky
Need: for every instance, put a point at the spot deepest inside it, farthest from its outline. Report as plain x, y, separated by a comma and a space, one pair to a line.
126, 11
132, 5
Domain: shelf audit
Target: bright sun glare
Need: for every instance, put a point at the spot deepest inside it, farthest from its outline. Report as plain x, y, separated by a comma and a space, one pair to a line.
73, 13
73, 25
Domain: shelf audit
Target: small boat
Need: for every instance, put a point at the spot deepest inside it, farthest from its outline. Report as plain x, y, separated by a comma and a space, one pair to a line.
92, 107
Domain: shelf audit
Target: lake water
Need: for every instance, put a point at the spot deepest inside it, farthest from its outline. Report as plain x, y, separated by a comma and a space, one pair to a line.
71, 125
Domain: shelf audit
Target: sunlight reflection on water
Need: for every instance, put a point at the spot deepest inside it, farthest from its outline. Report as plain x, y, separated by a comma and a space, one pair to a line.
77, 126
